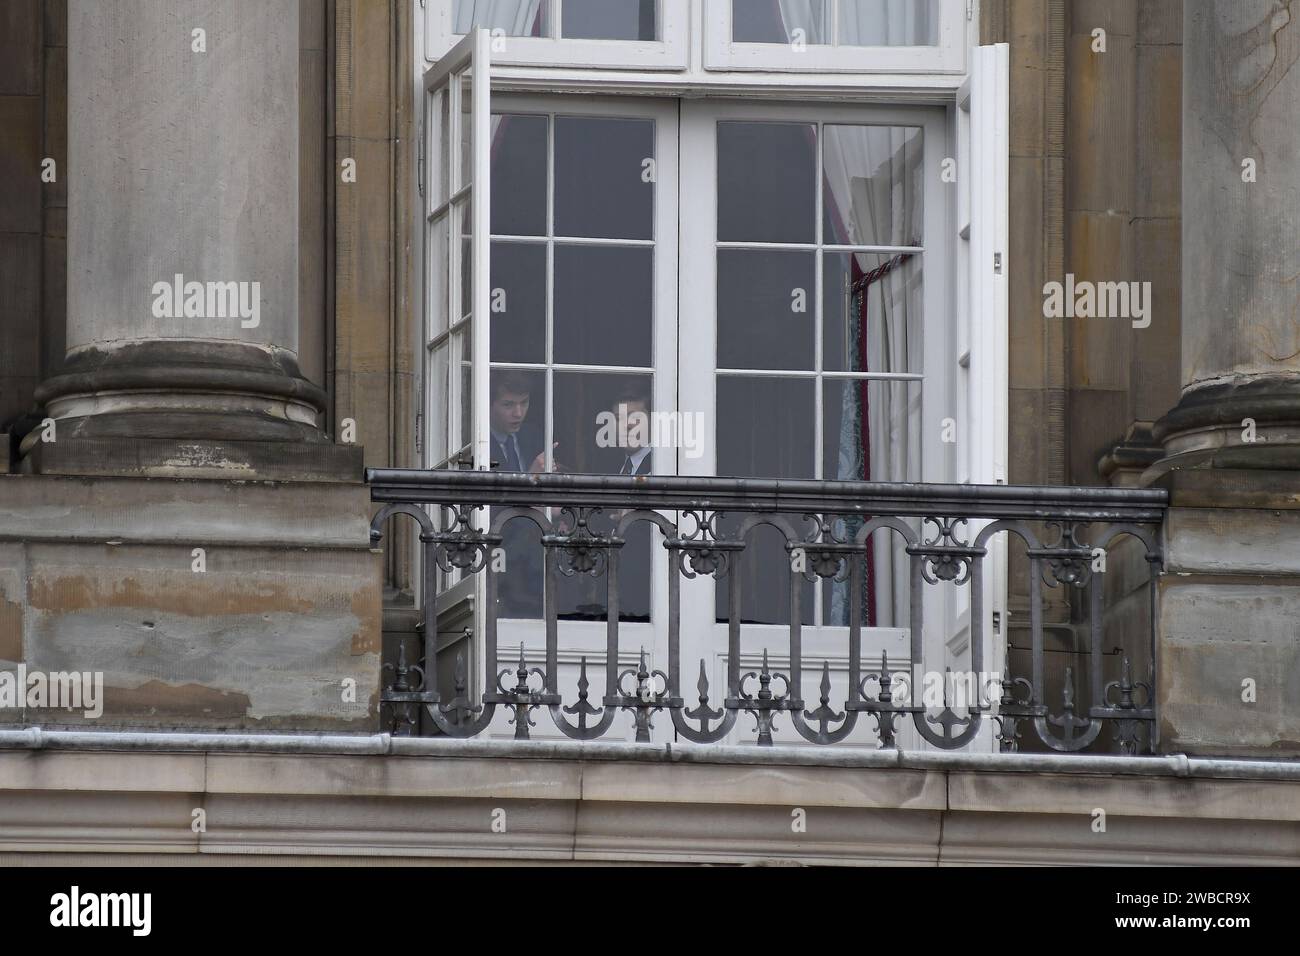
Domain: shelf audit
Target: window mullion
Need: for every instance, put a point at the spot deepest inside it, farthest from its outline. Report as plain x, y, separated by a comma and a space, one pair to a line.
548, 430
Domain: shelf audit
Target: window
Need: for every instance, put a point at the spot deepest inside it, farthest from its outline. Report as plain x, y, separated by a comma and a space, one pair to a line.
613, 34
841, 23
856, 36
455, 249
800, 275
584, 311
818, 314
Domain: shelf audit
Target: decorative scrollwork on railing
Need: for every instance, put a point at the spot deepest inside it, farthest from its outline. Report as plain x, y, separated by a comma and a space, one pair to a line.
945, 537
462, 547
945, 557
704, 550
1069, 561
585, 552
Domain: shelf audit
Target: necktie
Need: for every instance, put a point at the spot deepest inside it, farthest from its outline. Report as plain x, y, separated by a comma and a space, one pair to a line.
510, 452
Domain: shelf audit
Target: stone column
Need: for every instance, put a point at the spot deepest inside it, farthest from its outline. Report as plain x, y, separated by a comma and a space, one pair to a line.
1240, 253
1227, 651
183, 225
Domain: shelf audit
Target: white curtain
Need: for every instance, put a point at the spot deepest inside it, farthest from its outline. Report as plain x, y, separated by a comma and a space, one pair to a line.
516, 17
805, 15
885, 22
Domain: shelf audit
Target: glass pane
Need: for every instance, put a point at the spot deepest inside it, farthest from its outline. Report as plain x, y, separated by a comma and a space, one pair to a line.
605, 424
519, 175
764, 574
873, 182
517, 429
464, 357
519, 585
518, 302
609, 20
871, 312
437, 403
604, 177
871, 432
767, 186
517, 18
436, 257
786, 21
888, 22
765, 427
517, 419
604, 304
463, 211
439, 171
766, 309
465, 175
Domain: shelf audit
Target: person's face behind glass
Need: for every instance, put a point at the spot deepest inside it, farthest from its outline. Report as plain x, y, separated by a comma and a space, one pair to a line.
633, 425
508, 411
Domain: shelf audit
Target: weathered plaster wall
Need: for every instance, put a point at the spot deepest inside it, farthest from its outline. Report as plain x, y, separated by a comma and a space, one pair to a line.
99, 575
1228, 654
95, 572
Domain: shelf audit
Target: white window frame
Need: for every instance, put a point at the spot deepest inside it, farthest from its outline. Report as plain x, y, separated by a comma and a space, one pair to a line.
471, 56
981, 126
975, 291
698, 279
665, 320
669, 52
947, 56
459, 597
579, 639
701, 636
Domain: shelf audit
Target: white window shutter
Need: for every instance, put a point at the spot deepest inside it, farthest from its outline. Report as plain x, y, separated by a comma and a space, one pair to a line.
981, 332
986, 336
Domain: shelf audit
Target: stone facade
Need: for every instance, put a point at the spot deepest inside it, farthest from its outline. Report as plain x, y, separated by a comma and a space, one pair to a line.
226, 449
183, 516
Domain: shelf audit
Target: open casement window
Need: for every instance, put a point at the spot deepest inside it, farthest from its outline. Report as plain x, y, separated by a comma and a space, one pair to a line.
980, 119
453, 178
838, 36
608, 34
806, 281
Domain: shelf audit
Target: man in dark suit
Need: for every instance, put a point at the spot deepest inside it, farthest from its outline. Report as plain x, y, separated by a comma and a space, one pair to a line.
632, 412
516, 446
516, 443
635, 456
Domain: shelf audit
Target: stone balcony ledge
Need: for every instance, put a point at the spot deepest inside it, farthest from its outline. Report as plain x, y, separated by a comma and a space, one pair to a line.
76, 796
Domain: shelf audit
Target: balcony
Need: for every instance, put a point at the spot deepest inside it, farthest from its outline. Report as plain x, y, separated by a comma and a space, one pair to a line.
1090, 556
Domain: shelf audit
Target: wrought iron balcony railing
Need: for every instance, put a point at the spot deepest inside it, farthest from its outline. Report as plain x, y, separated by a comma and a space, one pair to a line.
942, 534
